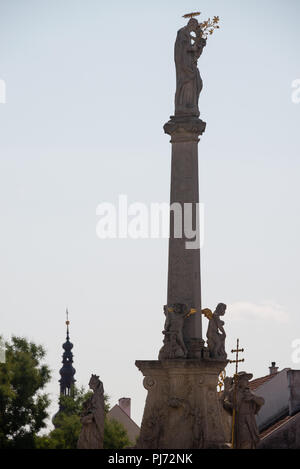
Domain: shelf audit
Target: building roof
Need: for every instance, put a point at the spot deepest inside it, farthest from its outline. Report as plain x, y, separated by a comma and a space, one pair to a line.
119, 408
255, 383
276, 425
133, 430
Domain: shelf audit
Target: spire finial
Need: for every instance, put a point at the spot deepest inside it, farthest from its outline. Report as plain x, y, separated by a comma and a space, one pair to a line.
67, 322
67, 372
67, 317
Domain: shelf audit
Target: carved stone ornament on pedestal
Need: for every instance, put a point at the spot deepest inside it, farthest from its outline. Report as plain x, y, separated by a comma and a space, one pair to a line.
182, 408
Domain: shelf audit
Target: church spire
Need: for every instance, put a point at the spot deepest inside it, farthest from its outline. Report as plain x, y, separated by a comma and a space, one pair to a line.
67, 371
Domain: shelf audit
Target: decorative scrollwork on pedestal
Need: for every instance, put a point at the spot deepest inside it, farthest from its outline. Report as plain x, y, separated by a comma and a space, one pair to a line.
148, 382
201, 380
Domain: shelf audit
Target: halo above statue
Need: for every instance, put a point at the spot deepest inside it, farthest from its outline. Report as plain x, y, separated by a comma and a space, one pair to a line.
192, 15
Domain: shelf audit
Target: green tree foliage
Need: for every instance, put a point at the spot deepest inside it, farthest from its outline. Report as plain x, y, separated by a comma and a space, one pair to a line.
23, 407
115, 435
68, 426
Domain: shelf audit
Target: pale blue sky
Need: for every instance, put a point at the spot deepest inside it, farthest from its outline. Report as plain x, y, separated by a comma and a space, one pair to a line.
89, 86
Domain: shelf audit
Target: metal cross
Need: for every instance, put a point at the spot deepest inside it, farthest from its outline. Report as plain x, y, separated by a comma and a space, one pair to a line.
236, 351
234, 412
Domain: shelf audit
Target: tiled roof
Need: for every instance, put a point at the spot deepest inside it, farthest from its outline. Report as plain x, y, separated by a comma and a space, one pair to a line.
255, 383
276, 425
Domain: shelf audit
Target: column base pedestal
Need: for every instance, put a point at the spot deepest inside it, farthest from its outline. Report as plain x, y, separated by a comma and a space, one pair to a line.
182, 409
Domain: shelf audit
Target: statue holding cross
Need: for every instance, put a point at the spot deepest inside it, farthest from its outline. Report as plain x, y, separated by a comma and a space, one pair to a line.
243, 405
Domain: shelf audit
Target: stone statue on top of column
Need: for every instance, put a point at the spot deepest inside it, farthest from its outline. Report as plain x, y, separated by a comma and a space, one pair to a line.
189, 84
188, 49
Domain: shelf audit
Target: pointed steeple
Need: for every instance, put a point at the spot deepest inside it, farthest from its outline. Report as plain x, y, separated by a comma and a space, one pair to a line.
67, 371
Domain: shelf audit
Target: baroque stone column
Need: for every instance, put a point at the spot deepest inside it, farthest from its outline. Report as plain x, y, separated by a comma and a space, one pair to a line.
182, 409
184, 280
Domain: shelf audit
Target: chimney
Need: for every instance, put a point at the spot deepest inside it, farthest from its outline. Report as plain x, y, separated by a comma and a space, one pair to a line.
294, 388
125, 404
273, 368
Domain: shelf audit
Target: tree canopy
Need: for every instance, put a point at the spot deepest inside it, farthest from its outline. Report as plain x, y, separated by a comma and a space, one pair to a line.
23, 405
67, 425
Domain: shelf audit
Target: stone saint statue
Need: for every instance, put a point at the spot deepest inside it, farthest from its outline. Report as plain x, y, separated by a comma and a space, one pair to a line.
92, 417
216, 334
247, 405
189, 84
174, 346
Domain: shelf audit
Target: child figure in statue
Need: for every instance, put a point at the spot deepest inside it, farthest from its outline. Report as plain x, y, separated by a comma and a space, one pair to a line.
216, 334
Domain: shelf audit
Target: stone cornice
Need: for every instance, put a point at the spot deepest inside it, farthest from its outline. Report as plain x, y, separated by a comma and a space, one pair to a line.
208, 363
184, 129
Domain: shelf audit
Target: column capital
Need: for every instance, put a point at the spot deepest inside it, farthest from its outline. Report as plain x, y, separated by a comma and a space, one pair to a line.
184, 128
